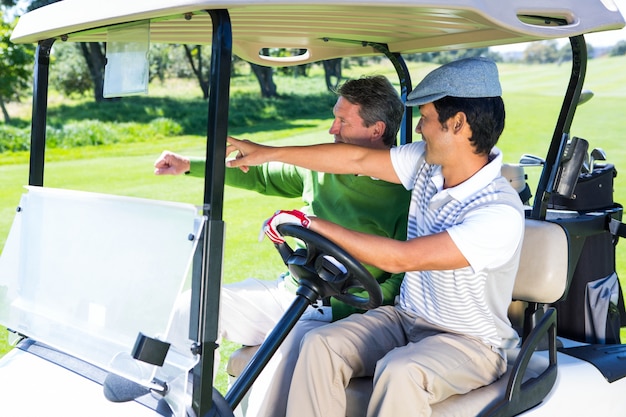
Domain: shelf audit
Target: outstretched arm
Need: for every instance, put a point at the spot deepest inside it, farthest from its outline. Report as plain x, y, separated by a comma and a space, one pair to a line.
336, 158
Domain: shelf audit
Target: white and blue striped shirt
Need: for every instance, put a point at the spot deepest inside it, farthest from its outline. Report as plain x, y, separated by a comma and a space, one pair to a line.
485, 219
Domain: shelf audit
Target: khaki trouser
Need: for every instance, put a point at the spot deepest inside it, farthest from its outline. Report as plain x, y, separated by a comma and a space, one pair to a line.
414, 365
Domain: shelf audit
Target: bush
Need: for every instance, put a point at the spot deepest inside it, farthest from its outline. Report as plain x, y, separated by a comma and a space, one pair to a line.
89, 133
83, 133
14, 139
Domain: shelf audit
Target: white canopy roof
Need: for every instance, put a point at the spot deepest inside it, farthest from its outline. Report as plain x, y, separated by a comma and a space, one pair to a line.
326, 28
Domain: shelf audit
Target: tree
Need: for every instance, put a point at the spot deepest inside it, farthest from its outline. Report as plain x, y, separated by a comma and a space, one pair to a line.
8, 3
16, 62
565, 53
332, 69
265, 76
70, 75
543, 52
159, 61
194, 56
94, 53
618, 49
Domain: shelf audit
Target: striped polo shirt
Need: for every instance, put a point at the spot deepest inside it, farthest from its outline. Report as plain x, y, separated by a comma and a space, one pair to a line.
485, 219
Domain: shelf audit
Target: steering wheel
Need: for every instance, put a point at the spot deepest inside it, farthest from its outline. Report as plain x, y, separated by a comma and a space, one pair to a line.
324, 269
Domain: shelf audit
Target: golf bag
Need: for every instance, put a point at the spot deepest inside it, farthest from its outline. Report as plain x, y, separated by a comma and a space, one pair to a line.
595, 284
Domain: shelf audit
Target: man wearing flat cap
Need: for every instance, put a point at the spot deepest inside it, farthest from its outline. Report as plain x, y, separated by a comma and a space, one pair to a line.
447, 333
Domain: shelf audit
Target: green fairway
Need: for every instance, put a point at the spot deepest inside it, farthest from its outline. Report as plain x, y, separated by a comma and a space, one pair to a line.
532, 96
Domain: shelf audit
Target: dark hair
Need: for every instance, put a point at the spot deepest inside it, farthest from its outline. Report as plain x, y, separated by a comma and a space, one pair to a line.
484, 115
378, 100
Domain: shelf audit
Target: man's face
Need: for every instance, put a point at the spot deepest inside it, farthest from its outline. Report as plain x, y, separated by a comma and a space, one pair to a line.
349, 127
439, 144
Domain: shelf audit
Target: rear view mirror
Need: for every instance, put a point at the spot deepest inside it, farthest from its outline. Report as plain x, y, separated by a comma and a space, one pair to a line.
127, 67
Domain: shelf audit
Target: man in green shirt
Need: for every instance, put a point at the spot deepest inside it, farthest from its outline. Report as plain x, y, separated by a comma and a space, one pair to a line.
368, 113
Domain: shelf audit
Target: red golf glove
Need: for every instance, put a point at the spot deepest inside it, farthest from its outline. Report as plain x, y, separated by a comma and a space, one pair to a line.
284, 217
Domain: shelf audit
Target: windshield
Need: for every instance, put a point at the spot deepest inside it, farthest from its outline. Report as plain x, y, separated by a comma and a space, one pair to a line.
93, 262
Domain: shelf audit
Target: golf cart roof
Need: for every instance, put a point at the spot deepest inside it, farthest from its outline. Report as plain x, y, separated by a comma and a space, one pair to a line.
326, 28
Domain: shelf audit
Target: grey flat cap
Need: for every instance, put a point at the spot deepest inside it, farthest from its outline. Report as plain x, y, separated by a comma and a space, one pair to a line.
467, 78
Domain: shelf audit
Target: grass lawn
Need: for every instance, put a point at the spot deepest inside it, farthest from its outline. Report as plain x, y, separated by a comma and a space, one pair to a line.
532, 95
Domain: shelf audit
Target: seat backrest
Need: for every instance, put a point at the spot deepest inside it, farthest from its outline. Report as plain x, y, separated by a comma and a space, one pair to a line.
543, 270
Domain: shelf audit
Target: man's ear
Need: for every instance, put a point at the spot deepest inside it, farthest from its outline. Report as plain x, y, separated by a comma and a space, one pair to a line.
458, 122
379, 128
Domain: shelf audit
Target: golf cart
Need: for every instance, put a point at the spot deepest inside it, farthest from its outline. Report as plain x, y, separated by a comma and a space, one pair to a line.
75, 264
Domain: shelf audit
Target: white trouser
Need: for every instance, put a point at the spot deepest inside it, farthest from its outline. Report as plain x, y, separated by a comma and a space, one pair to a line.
268, 396
251, 308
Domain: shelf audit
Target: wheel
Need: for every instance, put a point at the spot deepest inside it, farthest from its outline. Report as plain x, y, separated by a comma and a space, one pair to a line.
324, 269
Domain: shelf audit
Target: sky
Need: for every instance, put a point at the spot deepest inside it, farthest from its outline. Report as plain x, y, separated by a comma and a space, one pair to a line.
607, 38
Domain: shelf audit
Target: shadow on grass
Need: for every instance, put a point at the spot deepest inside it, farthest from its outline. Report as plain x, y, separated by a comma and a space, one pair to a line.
245, 111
